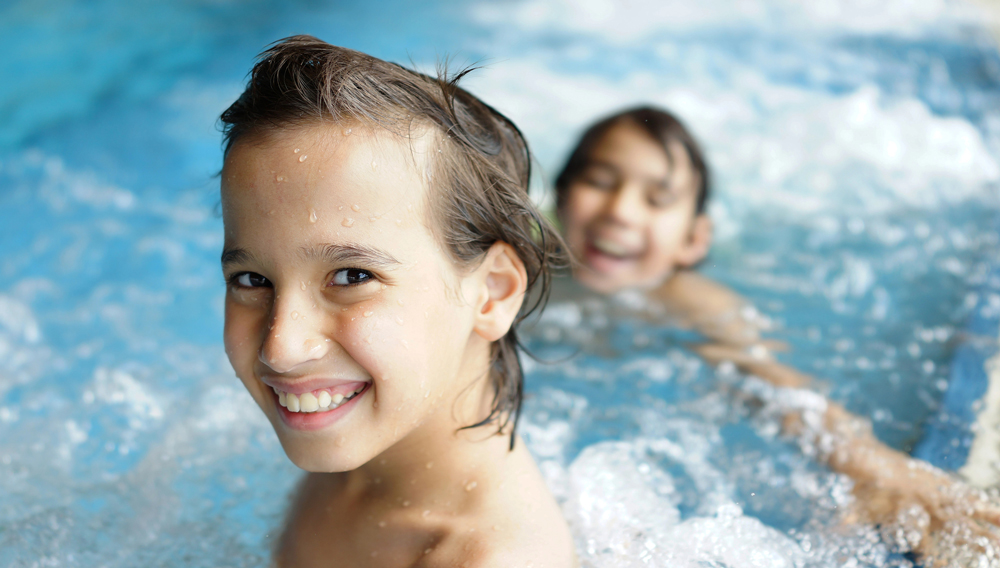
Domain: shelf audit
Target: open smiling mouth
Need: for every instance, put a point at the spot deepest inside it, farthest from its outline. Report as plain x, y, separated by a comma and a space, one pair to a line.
316, 401
611, 250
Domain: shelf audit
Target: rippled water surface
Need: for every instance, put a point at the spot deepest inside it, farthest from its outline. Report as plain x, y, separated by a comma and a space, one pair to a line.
855, 150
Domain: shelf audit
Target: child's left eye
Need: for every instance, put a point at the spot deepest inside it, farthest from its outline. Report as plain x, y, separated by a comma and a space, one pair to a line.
351, 277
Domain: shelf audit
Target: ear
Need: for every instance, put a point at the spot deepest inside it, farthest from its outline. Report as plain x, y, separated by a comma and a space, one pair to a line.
502, 280
699, 241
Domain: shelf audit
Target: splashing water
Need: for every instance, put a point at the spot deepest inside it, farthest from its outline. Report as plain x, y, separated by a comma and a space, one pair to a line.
855, 153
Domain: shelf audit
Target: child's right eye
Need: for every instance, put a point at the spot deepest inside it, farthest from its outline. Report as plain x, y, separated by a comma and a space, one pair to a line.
252, 280
599, 182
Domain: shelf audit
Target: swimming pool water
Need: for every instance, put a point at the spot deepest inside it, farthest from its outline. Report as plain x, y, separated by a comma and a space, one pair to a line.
855, 149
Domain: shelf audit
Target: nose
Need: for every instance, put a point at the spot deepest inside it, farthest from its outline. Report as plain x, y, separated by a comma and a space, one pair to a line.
295, 334
626, 205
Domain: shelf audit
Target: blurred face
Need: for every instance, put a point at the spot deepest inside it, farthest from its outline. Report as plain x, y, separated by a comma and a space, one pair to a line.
345, 319
629, 217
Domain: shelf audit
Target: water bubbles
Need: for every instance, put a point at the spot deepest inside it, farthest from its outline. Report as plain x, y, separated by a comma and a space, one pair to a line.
302, 158
348, 222
355, 208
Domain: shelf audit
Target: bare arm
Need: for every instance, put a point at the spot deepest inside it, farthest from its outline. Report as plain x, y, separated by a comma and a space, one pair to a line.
714, 310
918, 506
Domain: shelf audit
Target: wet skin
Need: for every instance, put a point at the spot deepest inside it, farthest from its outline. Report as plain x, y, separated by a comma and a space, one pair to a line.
336, 283
629, 217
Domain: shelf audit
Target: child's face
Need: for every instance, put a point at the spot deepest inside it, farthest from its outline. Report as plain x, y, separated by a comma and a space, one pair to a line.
339, 293
629, 217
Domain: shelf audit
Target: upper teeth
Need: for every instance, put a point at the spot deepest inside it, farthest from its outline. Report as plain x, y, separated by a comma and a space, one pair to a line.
610, 247
316, 401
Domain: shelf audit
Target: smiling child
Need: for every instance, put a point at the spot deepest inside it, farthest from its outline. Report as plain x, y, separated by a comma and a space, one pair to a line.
379, 244
631, 200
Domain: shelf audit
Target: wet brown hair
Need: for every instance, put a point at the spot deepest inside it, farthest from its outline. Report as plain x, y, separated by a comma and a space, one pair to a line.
661, 126
479, 178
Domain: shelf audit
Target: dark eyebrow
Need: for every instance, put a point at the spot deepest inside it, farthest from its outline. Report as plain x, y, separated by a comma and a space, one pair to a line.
347, 254
342, 254
659, 183
591, 163
235, 256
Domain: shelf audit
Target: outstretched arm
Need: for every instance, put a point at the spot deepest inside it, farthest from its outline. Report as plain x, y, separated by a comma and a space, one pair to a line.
917, 506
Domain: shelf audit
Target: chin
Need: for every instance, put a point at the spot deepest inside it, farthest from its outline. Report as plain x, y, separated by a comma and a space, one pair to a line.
321, 458
597, 282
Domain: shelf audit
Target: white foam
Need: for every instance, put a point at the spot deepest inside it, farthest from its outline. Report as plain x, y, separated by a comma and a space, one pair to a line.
623, 511
117, 387
631, 21
19, 321
771, 146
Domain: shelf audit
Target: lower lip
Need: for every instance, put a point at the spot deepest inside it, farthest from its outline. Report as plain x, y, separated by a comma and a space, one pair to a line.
308, 421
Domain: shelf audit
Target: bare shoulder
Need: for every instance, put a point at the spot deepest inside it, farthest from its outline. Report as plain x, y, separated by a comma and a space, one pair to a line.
712, 308
510, 544
689, 289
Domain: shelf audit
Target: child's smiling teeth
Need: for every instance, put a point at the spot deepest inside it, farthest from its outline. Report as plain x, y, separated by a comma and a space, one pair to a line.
316, 401
610, 248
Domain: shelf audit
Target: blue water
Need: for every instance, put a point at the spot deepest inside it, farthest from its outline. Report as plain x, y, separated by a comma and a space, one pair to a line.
856, 160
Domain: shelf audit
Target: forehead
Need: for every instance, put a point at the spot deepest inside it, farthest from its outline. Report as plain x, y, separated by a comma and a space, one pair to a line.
628, 147
336, 181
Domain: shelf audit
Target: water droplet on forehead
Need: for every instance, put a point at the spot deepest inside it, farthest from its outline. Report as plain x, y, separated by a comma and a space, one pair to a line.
368, 314
295, 315
302, 158
297, 150
312, 218
347, 222
355, 208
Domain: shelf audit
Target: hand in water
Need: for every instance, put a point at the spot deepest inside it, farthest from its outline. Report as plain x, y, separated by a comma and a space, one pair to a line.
916, 506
